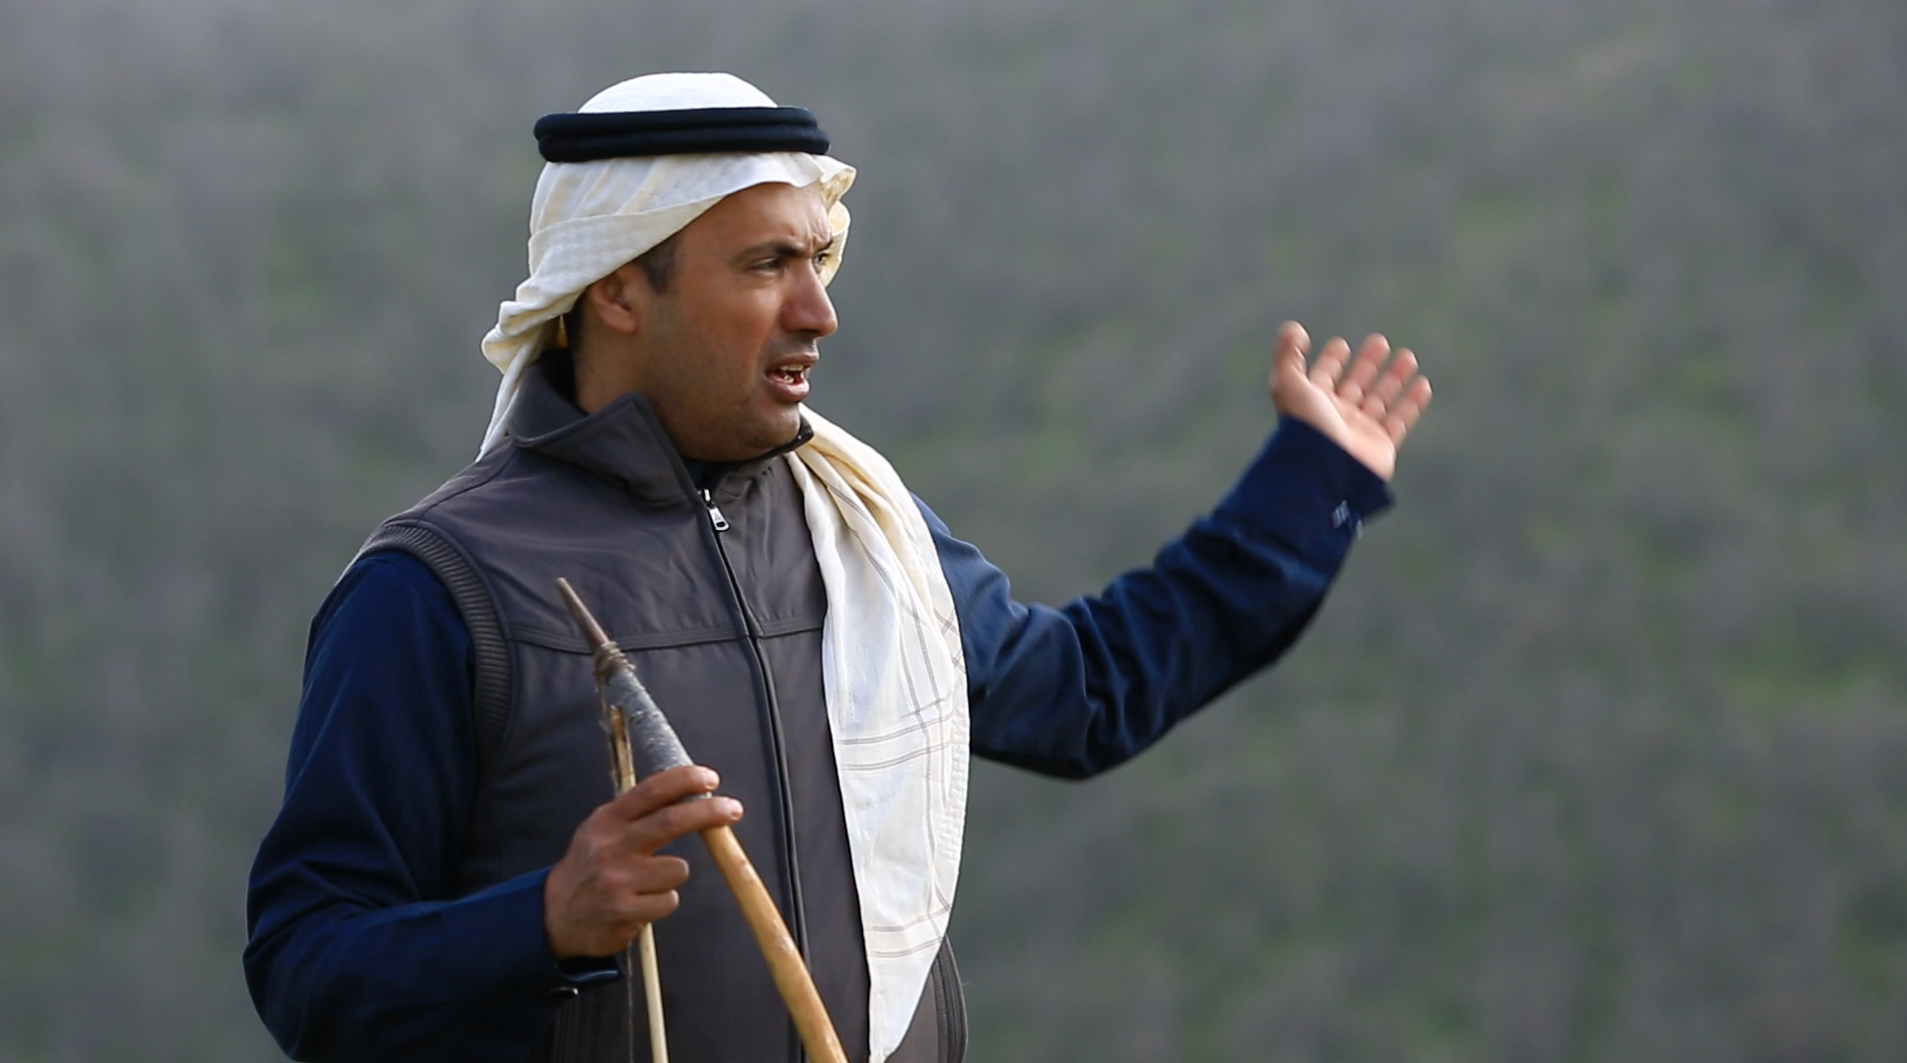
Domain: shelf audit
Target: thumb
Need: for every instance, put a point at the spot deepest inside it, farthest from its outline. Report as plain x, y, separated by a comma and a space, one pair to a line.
1288, 362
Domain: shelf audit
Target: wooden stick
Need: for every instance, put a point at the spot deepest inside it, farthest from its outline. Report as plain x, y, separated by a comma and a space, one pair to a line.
652, 993
777, 947
623, 767
657, 739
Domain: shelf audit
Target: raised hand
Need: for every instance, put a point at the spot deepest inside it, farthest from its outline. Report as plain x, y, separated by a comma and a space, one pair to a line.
1366, 405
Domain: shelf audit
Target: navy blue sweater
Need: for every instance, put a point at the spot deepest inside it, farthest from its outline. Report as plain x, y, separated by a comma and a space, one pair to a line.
348, 885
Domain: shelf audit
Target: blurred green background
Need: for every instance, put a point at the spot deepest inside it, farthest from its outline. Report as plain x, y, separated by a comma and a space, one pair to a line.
1599, 751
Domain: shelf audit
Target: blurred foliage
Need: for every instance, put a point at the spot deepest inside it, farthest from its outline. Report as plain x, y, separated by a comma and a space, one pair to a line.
1595, 753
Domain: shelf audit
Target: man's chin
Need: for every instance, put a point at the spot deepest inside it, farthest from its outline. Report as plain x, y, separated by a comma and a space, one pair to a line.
762, 439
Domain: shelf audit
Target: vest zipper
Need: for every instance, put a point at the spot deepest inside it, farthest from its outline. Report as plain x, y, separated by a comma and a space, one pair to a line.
797, 913
721, 525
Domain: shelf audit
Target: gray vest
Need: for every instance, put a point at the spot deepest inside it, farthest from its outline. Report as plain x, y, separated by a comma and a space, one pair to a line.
725, 628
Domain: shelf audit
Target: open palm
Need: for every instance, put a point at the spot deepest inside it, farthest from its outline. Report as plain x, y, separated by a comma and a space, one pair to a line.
1367, 404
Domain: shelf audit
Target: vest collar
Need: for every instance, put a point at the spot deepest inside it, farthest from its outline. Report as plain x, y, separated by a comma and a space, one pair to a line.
622, 442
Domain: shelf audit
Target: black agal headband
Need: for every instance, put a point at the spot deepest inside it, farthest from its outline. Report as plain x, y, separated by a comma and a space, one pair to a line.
587, 137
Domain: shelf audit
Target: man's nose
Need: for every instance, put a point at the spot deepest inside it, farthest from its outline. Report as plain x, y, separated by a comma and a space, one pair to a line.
809, 311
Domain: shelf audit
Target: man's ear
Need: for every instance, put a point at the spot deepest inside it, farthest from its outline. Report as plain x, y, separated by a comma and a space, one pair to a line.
619, 301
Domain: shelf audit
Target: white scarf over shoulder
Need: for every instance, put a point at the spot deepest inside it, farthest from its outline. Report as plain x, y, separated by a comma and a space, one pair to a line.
892, 666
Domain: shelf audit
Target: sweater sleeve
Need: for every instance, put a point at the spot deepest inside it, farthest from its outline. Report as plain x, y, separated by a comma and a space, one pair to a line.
357, 951
1076, 690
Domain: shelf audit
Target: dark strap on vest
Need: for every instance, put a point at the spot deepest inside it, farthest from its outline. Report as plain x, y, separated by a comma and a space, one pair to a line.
491, 686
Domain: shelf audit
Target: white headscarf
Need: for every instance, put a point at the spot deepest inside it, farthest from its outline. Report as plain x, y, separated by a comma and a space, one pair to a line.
590, 218
892, 667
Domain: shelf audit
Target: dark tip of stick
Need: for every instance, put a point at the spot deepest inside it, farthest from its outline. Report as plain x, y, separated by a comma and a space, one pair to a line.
593, 632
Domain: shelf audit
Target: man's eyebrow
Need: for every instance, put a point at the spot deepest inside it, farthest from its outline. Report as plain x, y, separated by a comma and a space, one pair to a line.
782, 249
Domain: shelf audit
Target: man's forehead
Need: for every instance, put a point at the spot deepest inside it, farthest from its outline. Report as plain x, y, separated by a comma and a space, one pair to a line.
766, 212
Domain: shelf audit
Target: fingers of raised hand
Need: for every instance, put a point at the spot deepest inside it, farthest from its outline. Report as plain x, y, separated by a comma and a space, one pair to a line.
1288, 352
1330, 364
1292, 339
1384, 391
1364, 369
1402, 414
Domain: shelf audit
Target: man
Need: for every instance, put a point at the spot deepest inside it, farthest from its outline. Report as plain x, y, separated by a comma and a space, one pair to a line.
450, 878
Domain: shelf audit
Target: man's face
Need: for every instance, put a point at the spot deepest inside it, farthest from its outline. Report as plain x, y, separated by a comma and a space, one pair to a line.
723, 354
